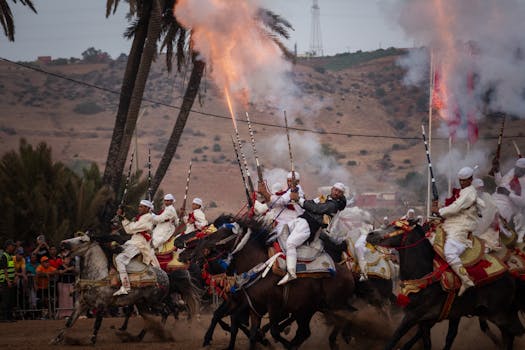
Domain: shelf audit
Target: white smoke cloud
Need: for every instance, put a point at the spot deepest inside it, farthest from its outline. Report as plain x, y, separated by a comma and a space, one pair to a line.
308, 158
483, 37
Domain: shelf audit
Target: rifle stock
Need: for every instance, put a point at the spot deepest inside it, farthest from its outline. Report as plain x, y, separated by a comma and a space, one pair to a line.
495, 161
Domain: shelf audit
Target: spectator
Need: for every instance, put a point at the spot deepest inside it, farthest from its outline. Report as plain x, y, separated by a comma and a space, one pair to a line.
42, 249
65, 286
44, 283
7, 282
31, 267
20, 276
54, 259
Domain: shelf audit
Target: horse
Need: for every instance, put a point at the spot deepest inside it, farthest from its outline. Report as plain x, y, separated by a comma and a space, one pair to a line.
492, 301
95, 290
301, 298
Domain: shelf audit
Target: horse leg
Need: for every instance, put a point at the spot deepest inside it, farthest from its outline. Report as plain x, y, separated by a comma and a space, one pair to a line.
406, 324
79, 309
275, 329
412, 341
453, 325
303, 329
235, 320
484, 326
254, 331
332, 338
98, 323
221, 312
128, 311
427, 340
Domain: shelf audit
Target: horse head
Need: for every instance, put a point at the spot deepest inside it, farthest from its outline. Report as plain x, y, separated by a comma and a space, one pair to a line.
396, 235
77, 245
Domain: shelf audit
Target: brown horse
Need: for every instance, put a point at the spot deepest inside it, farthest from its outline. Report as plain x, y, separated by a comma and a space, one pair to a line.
300, 298
494, 301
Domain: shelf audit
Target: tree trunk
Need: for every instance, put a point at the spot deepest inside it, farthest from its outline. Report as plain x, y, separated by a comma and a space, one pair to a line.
126, 91
187, 103
150, 50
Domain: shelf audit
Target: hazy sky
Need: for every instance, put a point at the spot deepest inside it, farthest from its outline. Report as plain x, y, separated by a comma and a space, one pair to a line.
65, 28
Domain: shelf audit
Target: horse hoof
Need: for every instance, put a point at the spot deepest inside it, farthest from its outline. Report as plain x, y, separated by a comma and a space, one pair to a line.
93, 340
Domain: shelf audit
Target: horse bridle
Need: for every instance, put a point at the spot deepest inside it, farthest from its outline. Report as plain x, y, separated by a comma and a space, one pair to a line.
404, 228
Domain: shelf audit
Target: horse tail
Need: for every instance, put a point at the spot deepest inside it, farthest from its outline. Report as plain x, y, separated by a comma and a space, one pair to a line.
181, 282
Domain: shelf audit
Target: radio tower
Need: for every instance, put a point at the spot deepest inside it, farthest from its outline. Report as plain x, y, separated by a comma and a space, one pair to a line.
316, 42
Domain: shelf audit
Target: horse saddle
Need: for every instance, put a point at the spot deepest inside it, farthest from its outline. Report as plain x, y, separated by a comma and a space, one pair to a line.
378, 262
312, 260
139, 274
170, 261
471, 256
514, 259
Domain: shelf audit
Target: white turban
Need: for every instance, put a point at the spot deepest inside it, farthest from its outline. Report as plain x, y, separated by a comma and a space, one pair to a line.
520, 163
260, 208
477, 183
465, 173
339, 186
197, 201
146, 203
277, 187
297, 177
169, 197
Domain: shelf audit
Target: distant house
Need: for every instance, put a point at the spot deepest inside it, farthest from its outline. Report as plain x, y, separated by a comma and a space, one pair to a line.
377, 200
44, 59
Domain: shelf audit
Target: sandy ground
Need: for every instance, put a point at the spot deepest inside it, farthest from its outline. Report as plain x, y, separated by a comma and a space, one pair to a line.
370, 333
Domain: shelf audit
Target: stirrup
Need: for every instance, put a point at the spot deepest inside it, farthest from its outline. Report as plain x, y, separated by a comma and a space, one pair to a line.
121, 291
464, 287
287, 278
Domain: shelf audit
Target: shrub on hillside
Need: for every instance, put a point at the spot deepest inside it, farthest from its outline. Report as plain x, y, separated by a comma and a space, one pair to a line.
88, 108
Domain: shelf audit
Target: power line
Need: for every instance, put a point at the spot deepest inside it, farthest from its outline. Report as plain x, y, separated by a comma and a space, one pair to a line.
213, 115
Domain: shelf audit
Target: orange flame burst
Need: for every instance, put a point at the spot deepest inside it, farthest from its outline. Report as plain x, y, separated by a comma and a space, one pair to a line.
446, 60
229, 37
230, 107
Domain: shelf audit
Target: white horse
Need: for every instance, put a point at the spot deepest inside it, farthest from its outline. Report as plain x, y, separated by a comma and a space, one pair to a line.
94, 289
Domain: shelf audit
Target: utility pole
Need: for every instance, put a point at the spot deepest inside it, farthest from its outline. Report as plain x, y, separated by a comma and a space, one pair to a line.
316, 41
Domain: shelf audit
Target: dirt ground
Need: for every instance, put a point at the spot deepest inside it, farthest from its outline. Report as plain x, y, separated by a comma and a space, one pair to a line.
370, 332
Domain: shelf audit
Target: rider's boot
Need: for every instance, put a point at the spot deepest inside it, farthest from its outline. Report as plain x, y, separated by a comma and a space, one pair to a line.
126, 286
466, 282
290, 268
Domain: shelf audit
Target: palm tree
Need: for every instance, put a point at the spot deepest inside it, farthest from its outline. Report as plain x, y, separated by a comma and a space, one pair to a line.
274, 27
6, 17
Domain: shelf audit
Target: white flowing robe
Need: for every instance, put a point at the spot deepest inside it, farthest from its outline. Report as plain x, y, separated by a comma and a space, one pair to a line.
200, 221
165, 226
461, 218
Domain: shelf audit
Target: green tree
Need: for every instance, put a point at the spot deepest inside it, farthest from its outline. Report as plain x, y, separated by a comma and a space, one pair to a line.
6, 17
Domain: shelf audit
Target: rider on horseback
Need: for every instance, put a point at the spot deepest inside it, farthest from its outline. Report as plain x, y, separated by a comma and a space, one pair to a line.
461, 218
309, 223
165, 222
196, 219
138, 244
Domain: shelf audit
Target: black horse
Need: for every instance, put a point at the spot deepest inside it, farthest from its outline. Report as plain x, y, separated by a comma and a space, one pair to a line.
494, 301
301, 298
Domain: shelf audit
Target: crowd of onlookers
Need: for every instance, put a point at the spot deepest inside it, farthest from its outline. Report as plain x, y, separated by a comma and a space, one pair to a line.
36, 280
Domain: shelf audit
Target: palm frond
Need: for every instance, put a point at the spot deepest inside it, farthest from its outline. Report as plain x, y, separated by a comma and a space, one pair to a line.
274, 22
6, 19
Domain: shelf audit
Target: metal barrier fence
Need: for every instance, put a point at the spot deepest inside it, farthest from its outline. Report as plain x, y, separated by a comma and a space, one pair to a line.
43, 303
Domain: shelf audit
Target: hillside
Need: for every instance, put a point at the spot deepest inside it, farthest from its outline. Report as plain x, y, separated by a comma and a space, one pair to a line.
348, 96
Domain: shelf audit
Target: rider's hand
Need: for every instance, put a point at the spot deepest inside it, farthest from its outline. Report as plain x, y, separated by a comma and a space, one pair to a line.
120, 212
435, 207
503, 191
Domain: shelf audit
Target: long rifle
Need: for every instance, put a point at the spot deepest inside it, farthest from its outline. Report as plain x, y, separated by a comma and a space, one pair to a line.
259, 168
182, 226
495, 161
149, 173
242, 174
290, 152
128, 177
518, 152
248, 176
435, 195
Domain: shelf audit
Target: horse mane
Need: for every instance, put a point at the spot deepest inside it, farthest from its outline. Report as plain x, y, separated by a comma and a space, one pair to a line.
260, 230
223, 219
105, 241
